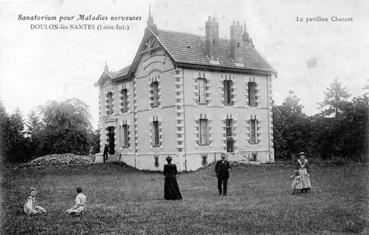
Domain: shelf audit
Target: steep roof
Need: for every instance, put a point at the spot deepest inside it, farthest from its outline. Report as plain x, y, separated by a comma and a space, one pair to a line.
190, 48
121, 73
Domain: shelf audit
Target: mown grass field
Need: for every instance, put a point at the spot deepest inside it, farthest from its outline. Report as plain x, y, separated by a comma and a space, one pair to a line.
122, 200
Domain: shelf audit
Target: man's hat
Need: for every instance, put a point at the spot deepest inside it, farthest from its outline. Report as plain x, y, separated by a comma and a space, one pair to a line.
302, 153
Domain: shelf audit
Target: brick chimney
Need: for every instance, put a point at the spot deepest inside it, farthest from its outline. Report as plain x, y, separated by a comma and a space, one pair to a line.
211, 38
236, 41
150, 22
246, 37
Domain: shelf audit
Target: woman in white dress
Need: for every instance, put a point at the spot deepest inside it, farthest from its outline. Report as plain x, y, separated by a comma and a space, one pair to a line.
304, 171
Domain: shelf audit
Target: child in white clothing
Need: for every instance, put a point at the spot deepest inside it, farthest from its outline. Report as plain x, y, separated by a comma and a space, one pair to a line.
31, 207
79, 205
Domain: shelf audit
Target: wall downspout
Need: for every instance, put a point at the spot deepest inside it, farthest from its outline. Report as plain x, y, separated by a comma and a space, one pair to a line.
268, 77
184, 120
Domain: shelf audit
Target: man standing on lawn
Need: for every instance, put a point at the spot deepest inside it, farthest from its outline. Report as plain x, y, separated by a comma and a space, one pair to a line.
222, 169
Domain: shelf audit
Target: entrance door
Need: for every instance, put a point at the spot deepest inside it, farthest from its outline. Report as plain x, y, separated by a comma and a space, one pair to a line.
230, 145
111, 140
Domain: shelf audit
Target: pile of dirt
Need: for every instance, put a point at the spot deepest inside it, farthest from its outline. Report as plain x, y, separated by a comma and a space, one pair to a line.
61, 159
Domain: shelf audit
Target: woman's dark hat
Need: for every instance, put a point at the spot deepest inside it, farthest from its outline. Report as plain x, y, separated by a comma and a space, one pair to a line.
169, 158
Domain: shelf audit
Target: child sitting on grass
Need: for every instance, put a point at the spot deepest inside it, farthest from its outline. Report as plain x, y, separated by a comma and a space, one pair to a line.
79, 205
296, 184
31, 207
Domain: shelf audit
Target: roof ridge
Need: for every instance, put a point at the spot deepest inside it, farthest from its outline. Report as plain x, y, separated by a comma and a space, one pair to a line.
174, 31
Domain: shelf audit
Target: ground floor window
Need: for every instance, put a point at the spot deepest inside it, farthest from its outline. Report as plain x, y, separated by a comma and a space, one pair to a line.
111, 140
229, 135
253, 131
204, 131
156, 140
125, 136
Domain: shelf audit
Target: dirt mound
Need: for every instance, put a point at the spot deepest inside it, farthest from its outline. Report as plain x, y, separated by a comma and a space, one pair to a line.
61, 159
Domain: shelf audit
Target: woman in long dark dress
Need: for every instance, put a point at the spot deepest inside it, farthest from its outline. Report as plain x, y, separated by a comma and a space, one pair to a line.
171, 190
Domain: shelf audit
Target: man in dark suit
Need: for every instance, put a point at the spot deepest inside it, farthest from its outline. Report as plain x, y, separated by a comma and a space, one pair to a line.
222, 169
106, 151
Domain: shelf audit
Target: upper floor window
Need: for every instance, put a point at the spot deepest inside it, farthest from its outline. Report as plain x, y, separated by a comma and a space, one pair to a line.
155, 134
204, 131
109, 103
201, 87
227, 92
124, 98
252, 94
155, 93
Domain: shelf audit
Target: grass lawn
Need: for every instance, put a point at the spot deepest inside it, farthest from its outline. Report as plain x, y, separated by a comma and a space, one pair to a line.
121, 200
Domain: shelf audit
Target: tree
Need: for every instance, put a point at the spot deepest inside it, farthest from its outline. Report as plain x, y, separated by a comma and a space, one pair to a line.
4, 123
354, 125
65, 128
291, 127
15, 145
33, 124
335, 98
95, 141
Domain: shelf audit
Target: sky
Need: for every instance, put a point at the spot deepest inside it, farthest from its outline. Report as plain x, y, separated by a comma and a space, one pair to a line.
39, 65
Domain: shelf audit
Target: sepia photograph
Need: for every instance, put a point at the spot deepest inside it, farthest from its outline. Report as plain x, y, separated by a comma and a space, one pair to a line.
184, 117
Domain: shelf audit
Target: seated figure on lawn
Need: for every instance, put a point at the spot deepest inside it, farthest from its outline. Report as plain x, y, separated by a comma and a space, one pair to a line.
296, 184
31, 207
79, 205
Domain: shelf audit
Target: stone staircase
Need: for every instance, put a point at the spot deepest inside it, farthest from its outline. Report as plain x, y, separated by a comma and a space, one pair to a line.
111, 158
241, 158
